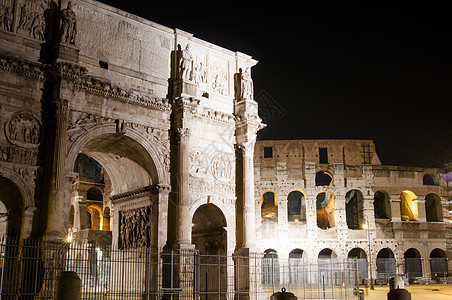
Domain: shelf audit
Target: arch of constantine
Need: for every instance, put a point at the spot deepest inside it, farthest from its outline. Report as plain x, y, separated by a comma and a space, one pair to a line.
120, 132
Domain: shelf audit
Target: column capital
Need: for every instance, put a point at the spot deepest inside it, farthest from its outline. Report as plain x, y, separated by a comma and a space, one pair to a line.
182, 134
161, 189
247, 148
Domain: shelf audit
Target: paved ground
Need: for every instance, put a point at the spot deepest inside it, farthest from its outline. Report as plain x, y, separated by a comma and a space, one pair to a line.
418, 292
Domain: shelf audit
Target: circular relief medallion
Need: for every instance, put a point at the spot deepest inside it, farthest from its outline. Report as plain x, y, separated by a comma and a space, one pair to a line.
198, 164
24, 130
222, 167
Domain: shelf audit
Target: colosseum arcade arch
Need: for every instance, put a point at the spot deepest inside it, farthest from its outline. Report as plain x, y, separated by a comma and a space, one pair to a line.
296, 206
354, 208
386, 263
326, 210
382, 205
433, 208
297, 266
133, 166
409, 206
438, 263
269, 206
323, 178
413, 263
359, 256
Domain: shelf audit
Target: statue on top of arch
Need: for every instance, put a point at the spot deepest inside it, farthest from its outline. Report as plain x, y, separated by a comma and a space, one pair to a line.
244, 88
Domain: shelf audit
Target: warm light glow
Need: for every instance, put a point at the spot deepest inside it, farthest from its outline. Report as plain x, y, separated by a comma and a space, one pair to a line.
69, 237
365, 226
296, 220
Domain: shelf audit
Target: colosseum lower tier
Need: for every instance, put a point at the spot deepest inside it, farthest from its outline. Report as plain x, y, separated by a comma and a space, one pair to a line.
319, 200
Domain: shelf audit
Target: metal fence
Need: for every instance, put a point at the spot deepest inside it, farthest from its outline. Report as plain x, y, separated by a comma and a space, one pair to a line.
29, 270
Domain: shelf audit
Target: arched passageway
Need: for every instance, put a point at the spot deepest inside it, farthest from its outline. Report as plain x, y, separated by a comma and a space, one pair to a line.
327, 263
110, 164
413, 263
359, 257
438, 263
270, 267
323, 178
296, 206
382, 205
210, 237
297, 266
326, 210
408, 206
11, 206
269, 206
433, 208
386, 264
354, 209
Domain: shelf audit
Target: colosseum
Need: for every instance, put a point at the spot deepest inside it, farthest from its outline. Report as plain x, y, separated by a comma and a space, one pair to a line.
128, 159
324, 199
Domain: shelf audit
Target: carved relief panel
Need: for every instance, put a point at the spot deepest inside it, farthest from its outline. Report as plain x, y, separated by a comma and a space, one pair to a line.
210, 73
211, 176
25, 17
135, 227
24, 130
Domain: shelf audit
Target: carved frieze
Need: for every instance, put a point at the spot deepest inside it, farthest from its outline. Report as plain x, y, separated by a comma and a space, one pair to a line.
80, 122
24, 130
219, 75
25, 17
200, 187
22, 67
135, 227
205, 71
18, 155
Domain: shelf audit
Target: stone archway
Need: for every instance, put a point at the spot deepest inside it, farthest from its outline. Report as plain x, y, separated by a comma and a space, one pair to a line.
210, 239
132, 166
386, 263
359, 257
11, 207
413, 263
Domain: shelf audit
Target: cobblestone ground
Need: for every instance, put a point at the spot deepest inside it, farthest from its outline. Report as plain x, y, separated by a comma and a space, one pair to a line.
418, 292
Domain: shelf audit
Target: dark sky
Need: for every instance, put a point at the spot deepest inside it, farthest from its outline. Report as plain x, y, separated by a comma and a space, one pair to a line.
345, 71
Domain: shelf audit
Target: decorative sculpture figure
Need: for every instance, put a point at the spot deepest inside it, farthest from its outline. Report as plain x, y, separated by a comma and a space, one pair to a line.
185, 64
68, 25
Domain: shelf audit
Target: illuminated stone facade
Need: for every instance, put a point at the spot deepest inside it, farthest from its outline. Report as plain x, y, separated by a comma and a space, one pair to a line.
330, 197
117, 130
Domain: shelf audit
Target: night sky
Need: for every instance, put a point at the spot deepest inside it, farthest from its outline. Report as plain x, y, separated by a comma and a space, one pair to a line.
342, 72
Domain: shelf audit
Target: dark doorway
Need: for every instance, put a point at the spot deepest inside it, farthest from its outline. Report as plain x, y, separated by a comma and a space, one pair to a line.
210, 239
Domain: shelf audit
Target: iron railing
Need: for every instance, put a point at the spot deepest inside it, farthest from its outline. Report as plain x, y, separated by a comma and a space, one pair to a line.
29, 269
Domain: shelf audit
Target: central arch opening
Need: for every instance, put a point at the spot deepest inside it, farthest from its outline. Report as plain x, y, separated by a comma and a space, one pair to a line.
210, 238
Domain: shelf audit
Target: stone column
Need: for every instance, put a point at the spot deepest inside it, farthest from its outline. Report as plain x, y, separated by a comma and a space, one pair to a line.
247, 125
161, 213
249, 230
27, 215
179, 221
183, 231
55, 219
